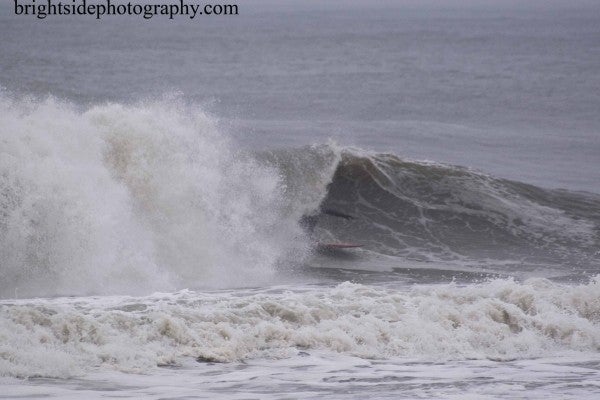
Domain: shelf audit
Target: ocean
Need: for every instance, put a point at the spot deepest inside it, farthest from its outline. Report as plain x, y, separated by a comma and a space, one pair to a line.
154, 176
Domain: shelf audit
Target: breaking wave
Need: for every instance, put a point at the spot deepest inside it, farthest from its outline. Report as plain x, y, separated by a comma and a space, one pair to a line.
131, 199
429, 212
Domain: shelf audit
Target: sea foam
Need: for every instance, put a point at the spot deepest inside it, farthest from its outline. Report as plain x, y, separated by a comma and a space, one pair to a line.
497, 320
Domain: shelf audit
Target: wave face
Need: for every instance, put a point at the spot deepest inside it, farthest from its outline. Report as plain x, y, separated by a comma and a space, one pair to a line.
131, 199
429, 212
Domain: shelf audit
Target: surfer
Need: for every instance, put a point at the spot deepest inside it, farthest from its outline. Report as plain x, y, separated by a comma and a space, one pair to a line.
309, 221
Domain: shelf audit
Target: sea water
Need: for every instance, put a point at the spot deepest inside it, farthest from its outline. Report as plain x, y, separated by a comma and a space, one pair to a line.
153, 173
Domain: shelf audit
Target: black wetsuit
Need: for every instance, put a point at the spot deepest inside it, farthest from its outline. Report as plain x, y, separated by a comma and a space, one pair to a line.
309, 221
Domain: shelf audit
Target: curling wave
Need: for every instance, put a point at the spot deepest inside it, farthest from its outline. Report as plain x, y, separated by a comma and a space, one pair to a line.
130, 199
429, 212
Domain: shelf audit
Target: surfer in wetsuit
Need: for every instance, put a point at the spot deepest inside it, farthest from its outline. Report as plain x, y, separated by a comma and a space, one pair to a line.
309, 221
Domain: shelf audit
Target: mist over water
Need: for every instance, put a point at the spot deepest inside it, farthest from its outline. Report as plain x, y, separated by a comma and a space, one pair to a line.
132, 199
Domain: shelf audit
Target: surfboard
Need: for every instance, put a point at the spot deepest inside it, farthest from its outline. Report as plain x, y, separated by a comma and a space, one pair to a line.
338, 245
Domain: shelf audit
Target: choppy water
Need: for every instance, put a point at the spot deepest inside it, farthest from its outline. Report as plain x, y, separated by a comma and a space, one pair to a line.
497, 338
153, 175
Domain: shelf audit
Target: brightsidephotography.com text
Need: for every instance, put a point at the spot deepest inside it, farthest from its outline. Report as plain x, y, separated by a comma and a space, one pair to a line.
42, 9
